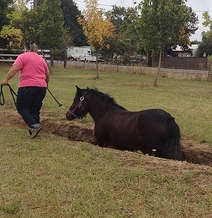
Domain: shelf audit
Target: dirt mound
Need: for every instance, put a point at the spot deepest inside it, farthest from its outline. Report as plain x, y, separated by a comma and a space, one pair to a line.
197, 153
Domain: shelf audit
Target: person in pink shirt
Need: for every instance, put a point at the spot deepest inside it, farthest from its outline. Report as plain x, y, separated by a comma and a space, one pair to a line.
33, 82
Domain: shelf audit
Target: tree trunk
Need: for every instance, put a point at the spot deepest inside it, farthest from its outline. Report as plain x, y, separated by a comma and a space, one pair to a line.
52, 57
158, 70
209, 70
97, 66
65, 58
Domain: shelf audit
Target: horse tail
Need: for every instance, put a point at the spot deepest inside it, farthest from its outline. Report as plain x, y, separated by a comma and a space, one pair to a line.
172, 146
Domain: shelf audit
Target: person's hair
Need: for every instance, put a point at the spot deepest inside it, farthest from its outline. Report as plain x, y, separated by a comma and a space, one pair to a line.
31, 46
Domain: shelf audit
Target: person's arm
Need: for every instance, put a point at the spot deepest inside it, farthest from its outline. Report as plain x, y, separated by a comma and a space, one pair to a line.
47, 77
13, 70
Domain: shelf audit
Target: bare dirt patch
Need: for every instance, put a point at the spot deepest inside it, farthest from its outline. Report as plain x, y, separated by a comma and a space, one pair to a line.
57, 124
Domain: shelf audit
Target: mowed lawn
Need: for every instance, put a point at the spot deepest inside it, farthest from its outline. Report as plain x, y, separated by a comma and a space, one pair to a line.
190, 102
54, 177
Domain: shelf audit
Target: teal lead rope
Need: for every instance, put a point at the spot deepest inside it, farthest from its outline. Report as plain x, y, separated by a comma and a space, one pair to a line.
59, 104
2, 99
13, 94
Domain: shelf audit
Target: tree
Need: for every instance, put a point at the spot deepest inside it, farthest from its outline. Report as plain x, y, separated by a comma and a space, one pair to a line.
6, 7
191, 26
71, 13
12, 35
127, 41
96, 27
205, 47
12, 32
161, 23
207, 23
45, 25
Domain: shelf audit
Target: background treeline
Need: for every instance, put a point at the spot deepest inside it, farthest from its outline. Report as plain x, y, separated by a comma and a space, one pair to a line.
144, 29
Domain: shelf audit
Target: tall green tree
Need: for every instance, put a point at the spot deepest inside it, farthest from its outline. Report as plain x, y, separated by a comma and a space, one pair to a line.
162, 22
127, 40
191, 26
12, 32
71, 13
6, 7
205, 47
207, 23
45, 25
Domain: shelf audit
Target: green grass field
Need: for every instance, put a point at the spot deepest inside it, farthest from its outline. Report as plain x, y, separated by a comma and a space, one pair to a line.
190, 102
51, 176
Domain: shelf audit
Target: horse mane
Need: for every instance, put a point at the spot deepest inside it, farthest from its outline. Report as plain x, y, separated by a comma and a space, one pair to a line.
105, 97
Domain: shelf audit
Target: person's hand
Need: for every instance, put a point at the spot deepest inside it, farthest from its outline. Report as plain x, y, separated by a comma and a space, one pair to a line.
4, 82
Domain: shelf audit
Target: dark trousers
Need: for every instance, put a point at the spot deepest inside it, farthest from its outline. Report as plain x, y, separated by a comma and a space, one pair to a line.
29, 103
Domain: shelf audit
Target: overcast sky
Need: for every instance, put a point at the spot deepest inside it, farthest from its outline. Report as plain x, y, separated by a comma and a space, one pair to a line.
198, 6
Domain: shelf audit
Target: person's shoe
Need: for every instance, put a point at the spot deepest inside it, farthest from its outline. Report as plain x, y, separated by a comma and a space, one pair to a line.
30, 132
33, 132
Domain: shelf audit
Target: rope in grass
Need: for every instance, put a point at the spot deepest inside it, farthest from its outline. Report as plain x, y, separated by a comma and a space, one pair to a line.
2, 98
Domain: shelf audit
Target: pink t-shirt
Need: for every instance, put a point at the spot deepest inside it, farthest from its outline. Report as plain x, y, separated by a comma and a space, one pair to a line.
33, 70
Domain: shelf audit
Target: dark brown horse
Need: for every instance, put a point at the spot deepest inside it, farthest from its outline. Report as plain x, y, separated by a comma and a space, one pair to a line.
152, 131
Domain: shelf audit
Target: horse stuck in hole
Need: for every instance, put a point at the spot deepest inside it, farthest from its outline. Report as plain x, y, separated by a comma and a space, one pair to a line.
152, 131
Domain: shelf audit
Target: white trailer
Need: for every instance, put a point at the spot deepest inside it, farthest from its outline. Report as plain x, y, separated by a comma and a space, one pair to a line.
82, 53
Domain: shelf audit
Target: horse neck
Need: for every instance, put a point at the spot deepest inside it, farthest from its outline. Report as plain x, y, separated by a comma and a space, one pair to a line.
97, 109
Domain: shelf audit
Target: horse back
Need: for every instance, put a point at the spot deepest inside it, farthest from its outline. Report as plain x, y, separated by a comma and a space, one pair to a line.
158, 130
144, 130
130, 130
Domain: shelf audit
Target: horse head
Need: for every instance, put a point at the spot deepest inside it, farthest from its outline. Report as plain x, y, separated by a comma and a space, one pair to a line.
91, 101
77, 110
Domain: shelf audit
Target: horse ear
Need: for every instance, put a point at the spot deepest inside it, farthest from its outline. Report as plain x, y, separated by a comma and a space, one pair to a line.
78, 89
